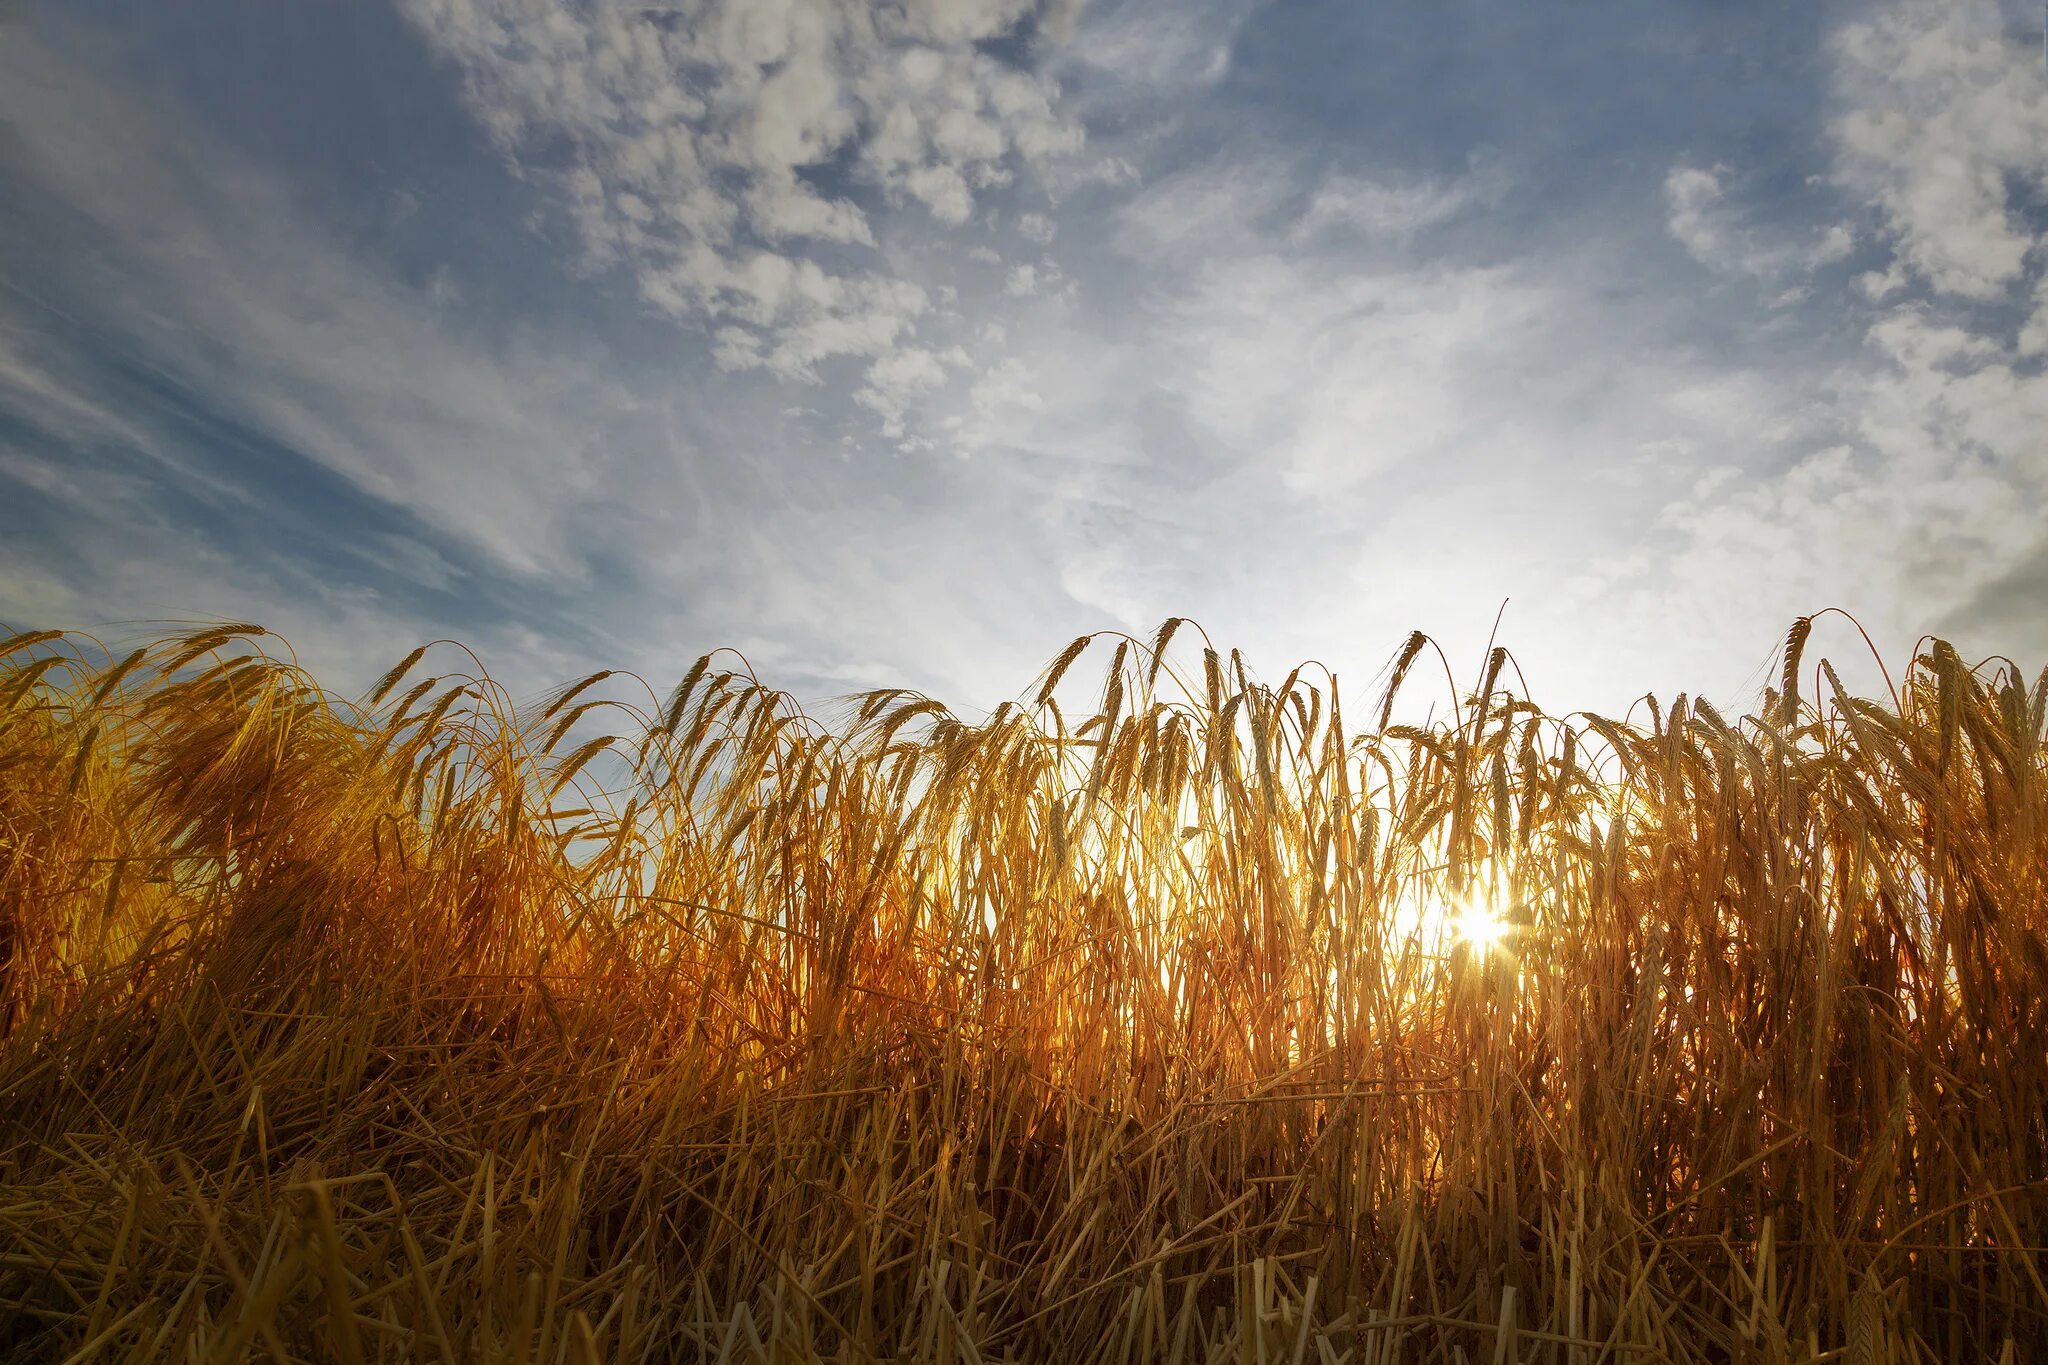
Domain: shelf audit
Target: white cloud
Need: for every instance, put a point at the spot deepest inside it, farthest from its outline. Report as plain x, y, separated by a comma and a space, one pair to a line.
1692, 195
1253, 197
1173, 44
1339, 374
1368, 434
164, 387
1398, 208
1934, 490
900, 378
700, 137
1217, 205
1717, 233
1944, 113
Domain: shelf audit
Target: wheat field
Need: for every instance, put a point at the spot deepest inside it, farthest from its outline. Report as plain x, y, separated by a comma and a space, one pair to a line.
1171, 1017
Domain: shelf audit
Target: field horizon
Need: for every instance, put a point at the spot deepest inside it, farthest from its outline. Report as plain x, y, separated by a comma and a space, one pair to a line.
1194, 1020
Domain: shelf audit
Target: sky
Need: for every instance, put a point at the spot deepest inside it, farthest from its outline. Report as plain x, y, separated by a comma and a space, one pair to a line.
898, 344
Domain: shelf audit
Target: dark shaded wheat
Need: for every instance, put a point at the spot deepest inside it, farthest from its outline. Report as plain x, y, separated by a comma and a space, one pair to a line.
428, 1027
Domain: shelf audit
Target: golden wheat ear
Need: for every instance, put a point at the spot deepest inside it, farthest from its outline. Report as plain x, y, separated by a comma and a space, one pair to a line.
1788, 686
1168, 1028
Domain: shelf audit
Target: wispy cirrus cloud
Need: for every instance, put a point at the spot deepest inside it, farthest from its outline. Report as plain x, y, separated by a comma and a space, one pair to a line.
210, 406
1713, 227
205, 274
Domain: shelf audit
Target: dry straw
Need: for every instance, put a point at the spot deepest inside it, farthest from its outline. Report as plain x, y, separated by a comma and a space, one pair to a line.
429, 1027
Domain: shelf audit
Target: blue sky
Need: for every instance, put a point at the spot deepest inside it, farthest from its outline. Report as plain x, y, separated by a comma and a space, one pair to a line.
899, 344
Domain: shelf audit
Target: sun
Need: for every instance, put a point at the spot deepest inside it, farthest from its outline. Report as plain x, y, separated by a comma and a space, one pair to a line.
1437, 921
1478, 923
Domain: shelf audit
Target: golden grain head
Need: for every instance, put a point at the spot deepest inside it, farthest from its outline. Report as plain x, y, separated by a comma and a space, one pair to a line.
687, 1027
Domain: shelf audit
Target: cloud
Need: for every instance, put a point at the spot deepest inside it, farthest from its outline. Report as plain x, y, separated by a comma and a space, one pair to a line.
210, 406
1943, 118
898, 379
1343, 374
1717, 234
1036, 227
1311, 390
1218, 204
1165, 44
1312, 397
1318, 438
58, 404
211, 278
733, 155
1397, 208
1923, 509
1693, 194
126, 557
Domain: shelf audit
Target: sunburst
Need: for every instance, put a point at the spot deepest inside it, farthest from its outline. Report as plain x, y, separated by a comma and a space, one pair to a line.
1480, 924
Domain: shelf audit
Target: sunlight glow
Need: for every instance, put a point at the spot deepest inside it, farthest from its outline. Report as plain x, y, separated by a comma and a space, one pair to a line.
1436, 922
1479, 924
